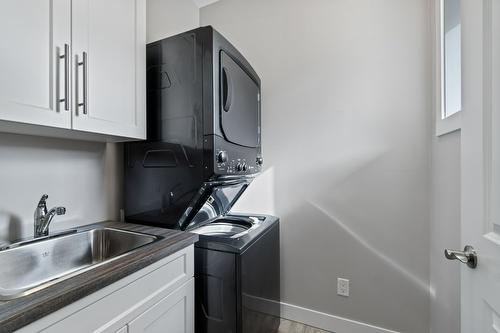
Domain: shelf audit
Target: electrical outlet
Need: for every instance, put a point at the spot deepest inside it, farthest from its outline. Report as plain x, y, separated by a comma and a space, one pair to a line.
343, 287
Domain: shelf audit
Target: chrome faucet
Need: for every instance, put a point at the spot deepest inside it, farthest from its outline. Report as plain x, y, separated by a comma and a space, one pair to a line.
43, 218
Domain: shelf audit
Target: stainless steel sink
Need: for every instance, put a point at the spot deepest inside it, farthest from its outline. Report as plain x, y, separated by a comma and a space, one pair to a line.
33, 265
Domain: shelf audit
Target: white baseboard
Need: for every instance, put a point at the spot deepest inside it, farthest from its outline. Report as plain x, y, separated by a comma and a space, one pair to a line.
314, 318
327, 321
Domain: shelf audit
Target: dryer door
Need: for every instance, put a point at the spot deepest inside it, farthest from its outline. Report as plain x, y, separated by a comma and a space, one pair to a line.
240, 104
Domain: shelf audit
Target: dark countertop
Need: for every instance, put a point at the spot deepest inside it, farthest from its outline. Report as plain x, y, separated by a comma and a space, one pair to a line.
22, 311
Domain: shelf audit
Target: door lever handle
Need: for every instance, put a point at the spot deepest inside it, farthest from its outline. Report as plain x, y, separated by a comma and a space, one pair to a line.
468, 256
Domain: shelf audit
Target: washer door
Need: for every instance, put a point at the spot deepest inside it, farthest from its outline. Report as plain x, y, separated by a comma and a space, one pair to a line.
212, 201
240, 104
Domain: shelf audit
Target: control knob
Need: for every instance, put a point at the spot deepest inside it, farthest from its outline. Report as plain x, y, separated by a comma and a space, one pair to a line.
260, 160
239, 167
222, 156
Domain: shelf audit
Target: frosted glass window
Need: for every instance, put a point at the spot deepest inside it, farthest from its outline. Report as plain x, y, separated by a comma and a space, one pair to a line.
451, 59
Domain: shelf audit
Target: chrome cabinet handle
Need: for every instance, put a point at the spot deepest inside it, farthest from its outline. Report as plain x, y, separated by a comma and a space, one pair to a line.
468, 256
65, 56
83, 63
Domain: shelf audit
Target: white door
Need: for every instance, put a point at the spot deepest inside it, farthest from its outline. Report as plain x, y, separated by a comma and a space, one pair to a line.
480, 227
109, 51
173, 314
34, 72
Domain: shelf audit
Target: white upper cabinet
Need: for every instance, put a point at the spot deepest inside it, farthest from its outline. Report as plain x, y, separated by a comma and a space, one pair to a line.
109, 39
74, 64
33, 74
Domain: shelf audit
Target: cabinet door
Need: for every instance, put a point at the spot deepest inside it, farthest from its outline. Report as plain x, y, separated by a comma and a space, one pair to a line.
173, 314
32, 75
109, 50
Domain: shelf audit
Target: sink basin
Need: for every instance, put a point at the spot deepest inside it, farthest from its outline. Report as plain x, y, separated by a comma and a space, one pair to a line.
31, 266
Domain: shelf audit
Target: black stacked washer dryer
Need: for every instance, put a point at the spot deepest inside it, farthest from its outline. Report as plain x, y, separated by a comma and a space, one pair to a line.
203, 149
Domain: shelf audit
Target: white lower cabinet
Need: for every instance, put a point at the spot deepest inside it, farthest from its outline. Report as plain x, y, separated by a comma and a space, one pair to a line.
156, 299
171, 312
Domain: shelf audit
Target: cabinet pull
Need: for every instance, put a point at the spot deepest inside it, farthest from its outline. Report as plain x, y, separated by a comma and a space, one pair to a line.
65, 56
83, 63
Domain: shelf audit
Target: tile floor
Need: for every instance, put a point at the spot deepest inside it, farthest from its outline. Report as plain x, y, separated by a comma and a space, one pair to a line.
259, 322
287, 326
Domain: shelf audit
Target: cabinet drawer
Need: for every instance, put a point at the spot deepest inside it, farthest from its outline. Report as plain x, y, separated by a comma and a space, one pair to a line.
174, 313
112, 307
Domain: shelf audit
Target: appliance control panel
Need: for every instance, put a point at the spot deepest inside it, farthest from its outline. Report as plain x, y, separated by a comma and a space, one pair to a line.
233, 160
236, 165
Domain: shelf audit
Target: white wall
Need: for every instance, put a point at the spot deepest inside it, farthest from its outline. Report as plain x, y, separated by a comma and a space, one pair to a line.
85, 177
169, 17
445, 233
346, 141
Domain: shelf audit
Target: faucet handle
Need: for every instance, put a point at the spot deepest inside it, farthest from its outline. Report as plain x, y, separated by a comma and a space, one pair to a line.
42, 202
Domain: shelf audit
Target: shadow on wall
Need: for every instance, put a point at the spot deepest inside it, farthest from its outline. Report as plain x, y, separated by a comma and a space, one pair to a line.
47, 144
11, 226
383, 293
362, 218
388, 261
83, 176
259, 196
